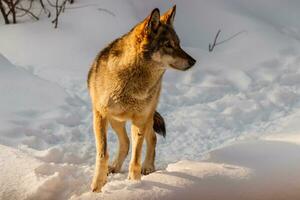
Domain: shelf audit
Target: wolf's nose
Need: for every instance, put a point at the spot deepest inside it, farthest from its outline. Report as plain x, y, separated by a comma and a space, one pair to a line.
192, 61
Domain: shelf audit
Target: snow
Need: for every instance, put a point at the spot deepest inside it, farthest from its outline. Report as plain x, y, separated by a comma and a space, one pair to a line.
260, 170
168, 183
18, 174
25, 99
247, 88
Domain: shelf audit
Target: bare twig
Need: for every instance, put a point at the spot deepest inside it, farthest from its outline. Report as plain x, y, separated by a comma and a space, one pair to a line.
211, 47
215, 43
13, 9
3, 12
107, 11
28, 12
231, 37
59, 8
46, 10
10, 6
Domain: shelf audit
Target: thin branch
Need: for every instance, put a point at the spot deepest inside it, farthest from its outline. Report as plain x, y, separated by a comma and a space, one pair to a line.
59, 9
20, 7
107, 11
231, 37
46, 10
211, 47
4, 14
82, 6
28, 12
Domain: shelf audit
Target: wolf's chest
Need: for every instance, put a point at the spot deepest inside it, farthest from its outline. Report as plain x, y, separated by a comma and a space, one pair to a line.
133, 93
137, 84
134, 96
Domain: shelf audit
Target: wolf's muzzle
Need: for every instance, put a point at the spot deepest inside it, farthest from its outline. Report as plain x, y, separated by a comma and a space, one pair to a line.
191, 62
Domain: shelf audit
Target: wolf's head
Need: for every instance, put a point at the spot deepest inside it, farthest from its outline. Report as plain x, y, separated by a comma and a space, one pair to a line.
158, 41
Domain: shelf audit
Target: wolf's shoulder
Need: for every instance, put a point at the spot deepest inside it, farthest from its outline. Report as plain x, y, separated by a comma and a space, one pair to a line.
112, 49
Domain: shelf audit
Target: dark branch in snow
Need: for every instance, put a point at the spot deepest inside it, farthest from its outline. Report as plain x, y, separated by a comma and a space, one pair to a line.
8, 8
107, 11
59, 8
3, 12
45, 9
26, 10
212, 46
11, 10
215, 43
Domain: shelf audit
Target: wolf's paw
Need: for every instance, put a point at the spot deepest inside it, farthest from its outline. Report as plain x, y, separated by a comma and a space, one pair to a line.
147, 170
97, 185
113, 169
134, 176
134, 173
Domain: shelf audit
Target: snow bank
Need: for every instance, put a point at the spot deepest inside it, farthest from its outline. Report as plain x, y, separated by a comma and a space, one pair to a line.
255, 169
261, 170
25, 98
18, 179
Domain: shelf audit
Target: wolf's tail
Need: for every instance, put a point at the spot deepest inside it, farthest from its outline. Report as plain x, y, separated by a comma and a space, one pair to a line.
159, 124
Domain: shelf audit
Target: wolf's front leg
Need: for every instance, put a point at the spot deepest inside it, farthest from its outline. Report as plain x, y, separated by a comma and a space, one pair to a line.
148, 164
137, 134
101, 166
120, 130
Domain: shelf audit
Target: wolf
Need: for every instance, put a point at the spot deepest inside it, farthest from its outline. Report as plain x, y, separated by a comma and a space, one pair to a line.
124, 83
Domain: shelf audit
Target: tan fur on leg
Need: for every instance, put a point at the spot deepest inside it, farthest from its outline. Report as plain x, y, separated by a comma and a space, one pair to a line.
148, 164
101, 166
119, 128
137, 133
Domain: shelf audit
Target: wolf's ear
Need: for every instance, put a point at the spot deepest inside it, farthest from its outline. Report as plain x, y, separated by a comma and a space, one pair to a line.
168, 17
153, 20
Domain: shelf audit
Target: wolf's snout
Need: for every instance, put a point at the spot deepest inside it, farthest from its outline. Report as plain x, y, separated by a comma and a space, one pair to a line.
192, 61
189, 61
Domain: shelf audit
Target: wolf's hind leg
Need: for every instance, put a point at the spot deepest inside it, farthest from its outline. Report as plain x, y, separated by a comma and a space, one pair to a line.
101, 165
119, 128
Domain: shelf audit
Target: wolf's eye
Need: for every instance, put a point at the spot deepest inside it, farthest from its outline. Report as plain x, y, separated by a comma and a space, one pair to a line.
167, 44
